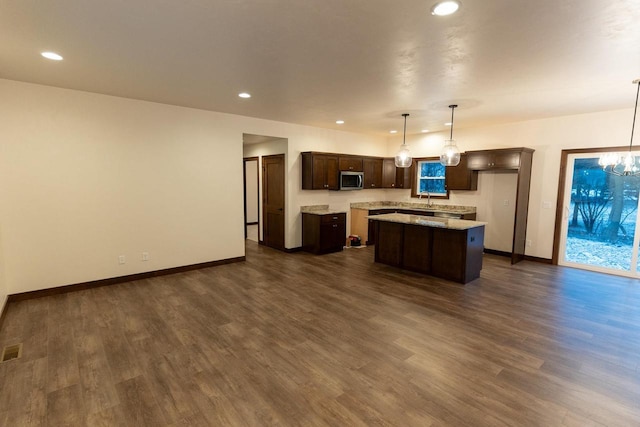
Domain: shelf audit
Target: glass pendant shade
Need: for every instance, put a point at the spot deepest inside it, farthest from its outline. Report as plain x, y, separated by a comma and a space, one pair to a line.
450, 154
403, 157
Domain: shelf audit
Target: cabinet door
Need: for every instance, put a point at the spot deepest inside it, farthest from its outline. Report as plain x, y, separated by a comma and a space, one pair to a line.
332, 177
350, 164
506, 160
417, 248
388, 173
372, 173
461, 177
449, 254
479, 161
403, 177
389, 244
319, 168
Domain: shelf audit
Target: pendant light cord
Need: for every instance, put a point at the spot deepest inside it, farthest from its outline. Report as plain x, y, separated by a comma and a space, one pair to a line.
404, 132
453, 107
634, 117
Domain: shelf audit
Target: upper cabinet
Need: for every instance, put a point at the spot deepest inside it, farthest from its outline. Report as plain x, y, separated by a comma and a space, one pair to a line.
320, 171
506, 158
394, 177
372, 172
461, 177
348, 163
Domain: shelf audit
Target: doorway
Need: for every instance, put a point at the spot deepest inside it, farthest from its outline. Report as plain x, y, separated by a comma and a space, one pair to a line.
251, 198
273, 201
598, 222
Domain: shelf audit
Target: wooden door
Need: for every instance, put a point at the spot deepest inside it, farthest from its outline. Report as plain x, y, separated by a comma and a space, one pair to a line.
273, 201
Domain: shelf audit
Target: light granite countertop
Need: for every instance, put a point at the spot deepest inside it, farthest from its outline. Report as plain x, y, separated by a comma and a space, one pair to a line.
452, 224
457, 209
320, 210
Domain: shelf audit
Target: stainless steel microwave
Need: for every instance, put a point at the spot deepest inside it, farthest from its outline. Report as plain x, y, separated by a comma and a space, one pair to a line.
351, 180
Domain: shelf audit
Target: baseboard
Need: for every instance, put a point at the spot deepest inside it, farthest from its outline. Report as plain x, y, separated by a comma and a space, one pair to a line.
292, 250
499, 253
115, 280
526, 257
537, 259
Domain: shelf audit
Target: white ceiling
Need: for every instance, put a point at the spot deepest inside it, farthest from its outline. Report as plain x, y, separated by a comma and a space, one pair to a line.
315, 61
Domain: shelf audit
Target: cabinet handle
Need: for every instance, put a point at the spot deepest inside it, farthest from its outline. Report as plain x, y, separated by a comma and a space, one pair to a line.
373, 185
350, 167
335, 217
335, 225
393, 185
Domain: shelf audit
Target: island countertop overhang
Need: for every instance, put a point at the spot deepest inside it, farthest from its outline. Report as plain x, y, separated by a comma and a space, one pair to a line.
435, 222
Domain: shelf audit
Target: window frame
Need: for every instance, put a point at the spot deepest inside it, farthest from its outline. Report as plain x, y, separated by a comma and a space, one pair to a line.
415, 181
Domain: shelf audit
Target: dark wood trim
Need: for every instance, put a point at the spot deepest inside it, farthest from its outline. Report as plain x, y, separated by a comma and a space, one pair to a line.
564, 156
537, 259
499, 253
244, 188
252, 223
121, 279
292, 250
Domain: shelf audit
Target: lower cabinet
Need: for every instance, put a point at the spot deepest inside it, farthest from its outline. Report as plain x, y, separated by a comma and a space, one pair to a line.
323, 233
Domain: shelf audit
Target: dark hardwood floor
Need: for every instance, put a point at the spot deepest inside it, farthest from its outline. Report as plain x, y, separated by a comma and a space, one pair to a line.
297, 339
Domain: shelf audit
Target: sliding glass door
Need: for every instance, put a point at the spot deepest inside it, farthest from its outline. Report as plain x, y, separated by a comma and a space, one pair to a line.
600, 214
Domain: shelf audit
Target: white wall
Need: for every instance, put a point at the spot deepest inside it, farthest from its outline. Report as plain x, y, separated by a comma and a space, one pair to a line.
548, 137
86, 178
251, 190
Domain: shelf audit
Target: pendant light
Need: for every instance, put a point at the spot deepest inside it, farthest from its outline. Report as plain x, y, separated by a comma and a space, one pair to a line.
403, 157
450, 154
611, 162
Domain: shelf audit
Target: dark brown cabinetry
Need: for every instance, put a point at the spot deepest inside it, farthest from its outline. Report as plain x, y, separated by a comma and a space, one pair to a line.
372, 172
394, 177
461, 177
494, 159
323, 233
353, 164
517, 160
449, 254
320, 171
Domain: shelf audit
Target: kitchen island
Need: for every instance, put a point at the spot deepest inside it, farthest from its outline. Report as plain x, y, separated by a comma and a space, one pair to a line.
443, 247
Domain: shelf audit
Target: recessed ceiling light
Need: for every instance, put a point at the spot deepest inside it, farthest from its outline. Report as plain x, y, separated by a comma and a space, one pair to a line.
448, 124
425, 130
51, 55
340, 122
393, 131
244, 95
445, 8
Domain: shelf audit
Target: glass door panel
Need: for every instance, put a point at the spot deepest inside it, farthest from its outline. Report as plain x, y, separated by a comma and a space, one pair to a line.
600, 215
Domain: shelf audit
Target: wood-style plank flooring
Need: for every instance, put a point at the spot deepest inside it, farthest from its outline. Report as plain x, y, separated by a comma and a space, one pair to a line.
333, 340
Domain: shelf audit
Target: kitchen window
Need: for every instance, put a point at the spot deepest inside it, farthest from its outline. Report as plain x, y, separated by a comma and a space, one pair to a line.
429, 178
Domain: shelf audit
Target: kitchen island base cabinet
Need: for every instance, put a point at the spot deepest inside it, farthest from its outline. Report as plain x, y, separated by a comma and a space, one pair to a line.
450, 254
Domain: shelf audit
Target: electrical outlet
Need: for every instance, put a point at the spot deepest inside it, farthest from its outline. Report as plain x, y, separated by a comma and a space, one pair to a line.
145, 256
528, 243
546, 205
121, 259
505, 202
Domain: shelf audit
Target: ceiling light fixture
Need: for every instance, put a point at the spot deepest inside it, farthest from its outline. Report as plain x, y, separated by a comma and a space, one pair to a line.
450, 155
244, 95
445, 8
403, 157
393, 131
340, 122
612, 163
52, 55
425, 130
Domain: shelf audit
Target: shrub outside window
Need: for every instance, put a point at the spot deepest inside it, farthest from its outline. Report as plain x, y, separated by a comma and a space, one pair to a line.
430, 177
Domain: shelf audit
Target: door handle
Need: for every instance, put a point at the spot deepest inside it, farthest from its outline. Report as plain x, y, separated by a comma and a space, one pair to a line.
360, 181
